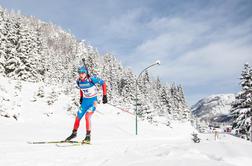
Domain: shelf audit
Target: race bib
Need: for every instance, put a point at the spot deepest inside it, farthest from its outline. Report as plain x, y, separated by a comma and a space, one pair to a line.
89, 92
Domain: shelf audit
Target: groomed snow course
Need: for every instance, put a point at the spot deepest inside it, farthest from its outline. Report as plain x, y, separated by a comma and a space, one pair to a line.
113, 135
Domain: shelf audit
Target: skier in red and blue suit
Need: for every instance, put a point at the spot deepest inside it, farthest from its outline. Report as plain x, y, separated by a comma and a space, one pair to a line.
88, 101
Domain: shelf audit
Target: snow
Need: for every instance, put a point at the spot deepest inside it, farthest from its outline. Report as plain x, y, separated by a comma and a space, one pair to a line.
113, 139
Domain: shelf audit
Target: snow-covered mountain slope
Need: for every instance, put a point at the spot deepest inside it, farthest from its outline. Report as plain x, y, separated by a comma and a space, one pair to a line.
33, 50
213, 106
113, 139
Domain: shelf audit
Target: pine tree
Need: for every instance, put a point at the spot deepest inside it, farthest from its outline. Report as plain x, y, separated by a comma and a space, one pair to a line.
10, 31
144, 97
17, 100
111, 74
27, 53
166, 102
155, 101
242, 107
127, 88
41, 92
2, 43
185, 113
52, 97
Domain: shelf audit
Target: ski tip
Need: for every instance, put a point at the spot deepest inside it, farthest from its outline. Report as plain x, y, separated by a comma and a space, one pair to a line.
44, 142
29, 142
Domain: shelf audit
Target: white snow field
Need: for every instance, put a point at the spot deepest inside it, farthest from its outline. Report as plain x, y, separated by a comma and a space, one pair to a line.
114, 142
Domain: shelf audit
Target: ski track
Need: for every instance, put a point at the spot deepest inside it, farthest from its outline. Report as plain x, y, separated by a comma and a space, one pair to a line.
130, 150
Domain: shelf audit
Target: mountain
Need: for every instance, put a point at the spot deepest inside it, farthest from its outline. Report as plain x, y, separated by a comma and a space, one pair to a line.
214, 108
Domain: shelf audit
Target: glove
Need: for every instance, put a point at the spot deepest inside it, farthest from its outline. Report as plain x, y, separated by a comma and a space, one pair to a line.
81, 100
104, 99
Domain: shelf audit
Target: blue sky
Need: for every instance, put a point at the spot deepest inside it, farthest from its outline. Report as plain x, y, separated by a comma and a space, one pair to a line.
201, 44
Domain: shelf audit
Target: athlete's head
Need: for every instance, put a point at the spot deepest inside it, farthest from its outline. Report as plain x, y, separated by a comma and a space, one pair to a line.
82, 72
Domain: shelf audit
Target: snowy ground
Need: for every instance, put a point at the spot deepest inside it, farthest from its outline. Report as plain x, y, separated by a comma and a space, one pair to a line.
113, 140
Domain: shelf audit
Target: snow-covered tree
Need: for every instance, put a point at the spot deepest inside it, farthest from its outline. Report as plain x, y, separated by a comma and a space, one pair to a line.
111, 72
17, 100
52, 97
127, 88
166, 101
3, 42
242, 107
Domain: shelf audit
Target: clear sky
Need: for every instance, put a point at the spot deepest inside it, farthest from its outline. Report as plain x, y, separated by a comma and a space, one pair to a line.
202, 44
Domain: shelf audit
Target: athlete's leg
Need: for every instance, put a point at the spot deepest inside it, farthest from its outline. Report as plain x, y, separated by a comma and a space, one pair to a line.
88, 115
83, 109
79, 116
88, 120
76, 123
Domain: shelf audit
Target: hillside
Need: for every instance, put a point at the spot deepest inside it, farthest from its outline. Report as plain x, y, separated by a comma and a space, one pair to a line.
35, 51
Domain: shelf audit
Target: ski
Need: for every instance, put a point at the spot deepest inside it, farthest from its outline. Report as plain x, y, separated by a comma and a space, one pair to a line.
51, 142
70, 144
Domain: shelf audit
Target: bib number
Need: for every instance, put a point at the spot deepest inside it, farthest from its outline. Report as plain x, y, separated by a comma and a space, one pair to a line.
90, 92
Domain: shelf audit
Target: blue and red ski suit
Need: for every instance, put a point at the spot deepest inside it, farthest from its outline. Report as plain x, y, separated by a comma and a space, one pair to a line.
88, 93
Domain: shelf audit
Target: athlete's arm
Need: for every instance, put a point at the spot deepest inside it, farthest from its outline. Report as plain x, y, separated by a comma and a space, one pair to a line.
97, 80
81, 93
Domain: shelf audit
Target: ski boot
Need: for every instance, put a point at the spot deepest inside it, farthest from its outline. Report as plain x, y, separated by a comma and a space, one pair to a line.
72, 136
87, 138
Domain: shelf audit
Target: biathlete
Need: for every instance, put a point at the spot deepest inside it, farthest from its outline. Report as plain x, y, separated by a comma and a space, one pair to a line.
88, 101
